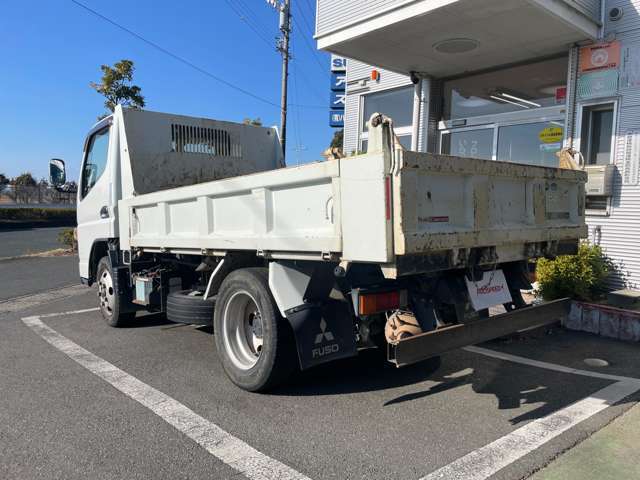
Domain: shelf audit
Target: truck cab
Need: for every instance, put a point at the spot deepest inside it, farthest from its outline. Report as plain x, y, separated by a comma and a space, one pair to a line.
133, 152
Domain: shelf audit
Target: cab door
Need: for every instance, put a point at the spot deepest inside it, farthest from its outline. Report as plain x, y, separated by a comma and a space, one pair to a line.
95, 210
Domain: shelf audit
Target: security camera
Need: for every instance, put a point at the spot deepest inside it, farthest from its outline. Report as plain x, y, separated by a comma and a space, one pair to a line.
414, 77
615, 14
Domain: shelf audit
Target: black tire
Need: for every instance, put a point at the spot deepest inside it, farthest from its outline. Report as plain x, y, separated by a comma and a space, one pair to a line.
277, 358
188, 306
108, 299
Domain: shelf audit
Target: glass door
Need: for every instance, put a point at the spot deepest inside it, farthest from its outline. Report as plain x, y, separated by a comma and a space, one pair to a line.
475, 143
532, 137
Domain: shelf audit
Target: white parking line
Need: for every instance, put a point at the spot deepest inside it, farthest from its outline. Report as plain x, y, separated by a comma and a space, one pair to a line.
548, 366
232, 451
477, 465
488, 460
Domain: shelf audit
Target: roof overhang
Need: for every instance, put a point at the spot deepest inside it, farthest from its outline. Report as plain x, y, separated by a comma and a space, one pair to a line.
402, 38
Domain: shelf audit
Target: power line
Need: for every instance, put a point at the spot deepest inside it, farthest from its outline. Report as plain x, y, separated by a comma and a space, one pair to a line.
176, 57
297, 123
251, 14
304, 19
306, 79
313, 51
311, 9
183, 60
245, 19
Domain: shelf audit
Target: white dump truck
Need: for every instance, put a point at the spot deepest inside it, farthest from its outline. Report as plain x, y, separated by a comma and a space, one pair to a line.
302, 265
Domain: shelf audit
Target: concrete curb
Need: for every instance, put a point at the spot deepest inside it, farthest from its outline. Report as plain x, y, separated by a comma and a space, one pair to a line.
56, 252
603, 320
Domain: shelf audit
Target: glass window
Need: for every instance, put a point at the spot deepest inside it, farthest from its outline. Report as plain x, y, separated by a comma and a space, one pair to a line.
96, 160
396, 104
597, 130
525, 87
405, 141
531, 143
469, 143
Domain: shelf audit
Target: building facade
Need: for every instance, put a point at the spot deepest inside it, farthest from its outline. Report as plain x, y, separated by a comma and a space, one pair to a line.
510, 80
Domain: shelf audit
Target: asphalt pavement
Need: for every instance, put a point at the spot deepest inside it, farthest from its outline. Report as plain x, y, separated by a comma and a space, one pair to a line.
356, 419
23, 276
16, 241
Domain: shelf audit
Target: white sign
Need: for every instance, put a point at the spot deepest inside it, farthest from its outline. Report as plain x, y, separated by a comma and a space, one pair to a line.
631, 161
490, 290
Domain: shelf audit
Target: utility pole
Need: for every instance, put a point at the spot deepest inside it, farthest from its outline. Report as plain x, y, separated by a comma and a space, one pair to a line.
284, 8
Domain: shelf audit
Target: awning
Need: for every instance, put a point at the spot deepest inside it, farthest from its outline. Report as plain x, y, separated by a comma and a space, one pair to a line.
451, 37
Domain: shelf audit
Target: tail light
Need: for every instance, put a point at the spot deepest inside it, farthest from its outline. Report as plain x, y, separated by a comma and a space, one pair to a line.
369, 303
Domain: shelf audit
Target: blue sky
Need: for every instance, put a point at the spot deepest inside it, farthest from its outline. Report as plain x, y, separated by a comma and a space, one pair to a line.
51, 50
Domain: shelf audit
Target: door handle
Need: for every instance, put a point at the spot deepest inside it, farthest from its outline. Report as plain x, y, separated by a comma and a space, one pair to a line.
104, 212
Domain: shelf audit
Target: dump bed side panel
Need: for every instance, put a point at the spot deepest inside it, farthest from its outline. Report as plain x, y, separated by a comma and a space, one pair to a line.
290, 210
444, 203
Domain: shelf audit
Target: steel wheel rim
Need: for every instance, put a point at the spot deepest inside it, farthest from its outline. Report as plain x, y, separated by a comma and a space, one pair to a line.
106, 295
242, 330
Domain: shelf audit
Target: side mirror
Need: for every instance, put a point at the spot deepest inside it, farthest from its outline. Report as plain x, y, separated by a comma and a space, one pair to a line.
57, 173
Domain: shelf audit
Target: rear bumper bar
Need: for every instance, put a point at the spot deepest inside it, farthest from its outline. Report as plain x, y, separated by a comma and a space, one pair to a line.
430, 344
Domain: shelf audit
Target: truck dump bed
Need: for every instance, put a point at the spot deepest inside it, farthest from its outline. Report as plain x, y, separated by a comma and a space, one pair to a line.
410, 212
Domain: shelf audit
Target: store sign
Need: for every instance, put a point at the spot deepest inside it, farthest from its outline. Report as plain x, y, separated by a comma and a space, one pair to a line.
598, 84
338, 96
602, 56
338, 64
336, 118
338, 81
551, 135
561, 95
338, 100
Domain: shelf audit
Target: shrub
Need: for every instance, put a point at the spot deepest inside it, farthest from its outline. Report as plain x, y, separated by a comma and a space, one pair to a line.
67, 238
581, 276
29, 213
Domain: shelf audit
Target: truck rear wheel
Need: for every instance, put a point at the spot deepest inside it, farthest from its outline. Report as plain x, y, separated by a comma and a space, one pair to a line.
108, 299
254, 342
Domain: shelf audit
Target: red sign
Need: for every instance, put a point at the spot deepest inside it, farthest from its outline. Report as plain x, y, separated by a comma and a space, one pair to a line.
601, 56
561, 94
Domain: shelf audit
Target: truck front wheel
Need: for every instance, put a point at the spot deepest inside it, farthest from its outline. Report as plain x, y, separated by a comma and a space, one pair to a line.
254, 342
108, 299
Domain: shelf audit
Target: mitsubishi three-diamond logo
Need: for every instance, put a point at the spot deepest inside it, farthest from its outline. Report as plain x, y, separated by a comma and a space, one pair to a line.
323, 335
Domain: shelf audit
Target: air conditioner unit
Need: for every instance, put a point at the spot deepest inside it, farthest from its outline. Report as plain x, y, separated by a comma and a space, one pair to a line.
600, 180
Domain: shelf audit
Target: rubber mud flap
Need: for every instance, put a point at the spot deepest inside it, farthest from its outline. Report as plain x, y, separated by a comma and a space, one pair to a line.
323, 332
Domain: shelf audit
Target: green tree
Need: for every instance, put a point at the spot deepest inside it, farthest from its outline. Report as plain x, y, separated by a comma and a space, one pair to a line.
25, 179
116, 87
24, 186
337, 140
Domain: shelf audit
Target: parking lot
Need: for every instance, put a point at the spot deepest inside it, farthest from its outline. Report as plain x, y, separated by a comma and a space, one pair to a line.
83, 400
